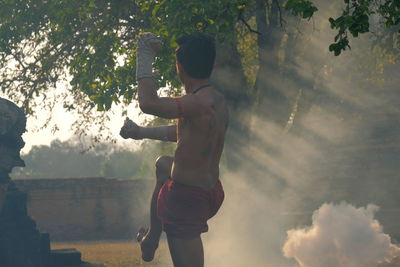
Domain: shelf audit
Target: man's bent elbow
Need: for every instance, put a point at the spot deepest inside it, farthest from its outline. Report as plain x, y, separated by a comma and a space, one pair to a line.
146, 107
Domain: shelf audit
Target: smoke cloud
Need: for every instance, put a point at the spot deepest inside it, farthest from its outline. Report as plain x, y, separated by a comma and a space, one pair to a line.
341, 235
333, 153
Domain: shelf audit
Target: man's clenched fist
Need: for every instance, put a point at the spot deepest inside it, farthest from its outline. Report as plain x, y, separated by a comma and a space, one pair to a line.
130, 130
147, 45
149, 40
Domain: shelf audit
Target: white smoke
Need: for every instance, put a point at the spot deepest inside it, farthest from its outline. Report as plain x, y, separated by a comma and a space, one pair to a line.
341, 235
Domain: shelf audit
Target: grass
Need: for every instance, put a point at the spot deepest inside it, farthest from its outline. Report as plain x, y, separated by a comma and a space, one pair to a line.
117, 253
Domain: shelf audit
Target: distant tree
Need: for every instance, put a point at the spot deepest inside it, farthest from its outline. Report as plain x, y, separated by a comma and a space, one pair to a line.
123, 164
59, 160
66, 160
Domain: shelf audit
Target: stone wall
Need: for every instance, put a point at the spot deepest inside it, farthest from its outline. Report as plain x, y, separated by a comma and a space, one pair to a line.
88, 208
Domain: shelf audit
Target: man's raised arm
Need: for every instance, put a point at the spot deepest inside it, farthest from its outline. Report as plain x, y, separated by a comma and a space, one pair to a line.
162, 133
149, 102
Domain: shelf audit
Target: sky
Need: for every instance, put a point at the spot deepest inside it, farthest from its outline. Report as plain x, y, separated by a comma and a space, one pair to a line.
36, 135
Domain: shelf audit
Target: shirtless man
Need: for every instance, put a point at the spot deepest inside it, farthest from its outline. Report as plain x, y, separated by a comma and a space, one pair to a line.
188, 191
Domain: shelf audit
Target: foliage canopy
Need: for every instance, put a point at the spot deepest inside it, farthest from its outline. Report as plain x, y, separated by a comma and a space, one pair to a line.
90, 45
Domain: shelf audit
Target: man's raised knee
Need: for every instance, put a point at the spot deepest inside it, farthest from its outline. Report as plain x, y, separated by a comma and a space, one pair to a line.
163, 167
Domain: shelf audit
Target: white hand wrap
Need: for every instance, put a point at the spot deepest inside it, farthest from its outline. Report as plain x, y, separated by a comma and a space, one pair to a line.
145, 55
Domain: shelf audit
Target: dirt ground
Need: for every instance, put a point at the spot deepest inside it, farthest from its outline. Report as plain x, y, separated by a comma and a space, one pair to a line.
117, 253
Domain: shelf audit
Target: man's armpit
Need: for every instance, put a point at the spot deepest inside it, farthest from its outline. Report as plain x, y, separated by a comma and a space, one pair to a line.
172, 133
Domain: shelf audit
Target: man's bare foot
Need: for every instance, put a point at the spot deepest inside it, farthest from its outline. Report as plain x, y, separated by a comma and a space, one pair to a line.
146, 245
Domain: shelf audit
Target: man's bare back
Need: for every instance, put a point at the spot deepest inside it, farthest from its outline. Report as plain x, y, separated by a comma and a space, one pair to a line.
187, 192
201, 141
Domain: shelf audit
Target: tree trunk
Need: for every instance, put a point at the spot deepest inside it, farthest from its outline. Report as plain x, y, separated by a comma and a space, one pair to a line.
271, 98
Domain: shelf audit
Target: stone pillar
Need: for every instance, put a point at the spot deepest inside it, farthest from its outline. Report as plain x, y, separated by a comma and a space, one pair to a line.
21, 244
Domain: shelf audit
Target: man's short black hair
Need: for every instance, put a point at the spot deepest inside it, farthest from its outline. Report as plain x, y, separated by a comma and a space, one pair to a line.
196, 53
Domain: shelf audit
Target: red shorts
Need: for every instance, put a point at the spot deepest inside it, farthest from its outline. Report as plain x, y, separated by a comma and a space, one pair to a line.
184, 209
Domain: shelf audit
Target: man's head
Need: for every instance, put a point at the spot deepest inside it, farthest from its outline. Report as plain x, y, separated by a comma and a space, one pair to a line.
196, 55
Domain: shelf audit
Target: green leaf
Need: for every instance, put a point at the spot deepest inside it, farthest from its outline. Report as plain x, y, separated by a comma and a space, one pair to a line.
100, 107
303, 8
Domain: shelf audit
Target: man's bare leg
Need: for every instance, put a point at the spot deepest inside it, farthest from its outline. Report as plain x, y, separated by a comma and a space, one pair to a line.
186, 252
150, 238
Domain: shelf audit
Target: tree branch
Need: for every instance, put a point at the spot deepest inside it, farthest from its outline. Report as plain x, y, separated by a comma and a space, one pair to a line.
241, 19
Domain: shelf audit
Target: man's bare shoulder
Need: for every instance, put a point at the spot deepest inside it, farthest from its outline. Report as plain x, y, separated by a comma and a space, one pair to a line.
216, 105
210, 98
